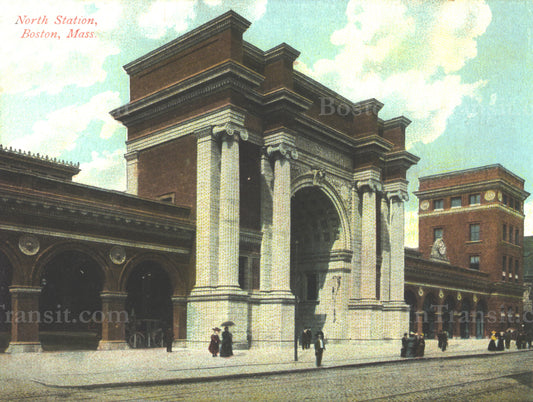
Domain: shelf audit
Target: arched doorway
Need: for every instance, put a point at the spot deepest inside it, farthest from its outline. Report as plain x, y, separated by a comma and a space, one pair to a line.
481, 312
69, 304
6, 272
465, 318
410, 299
428, 323
447, 315
149, 305
316, 231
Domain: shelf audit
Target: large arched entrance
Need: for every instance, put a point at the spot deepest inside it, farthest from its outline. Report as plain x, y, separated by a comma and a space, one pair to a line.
149, 305
448, 315
428, 323
465, 318
315, 233
6, 272
410, 299
481, 313
70, 305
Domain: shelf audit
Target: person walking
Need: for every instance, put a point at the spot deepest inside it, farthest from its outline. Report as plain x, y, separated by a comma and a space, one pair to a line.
403, 351
421, 346
492, 343
507, 339
214, 345
444, 340
168, 338
319, 347
226, 346
500, 345
411, 345
304, 339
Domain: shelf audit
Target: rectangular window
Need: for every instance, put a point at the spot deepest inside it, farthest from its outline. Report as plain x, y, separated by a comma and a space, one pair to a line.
474, 262
475, 199
456, 202
437, 234
504, 232
504, 268
312, 293
243, 267
505, 201
516, 239
474, 232
510, 234
516, 270
438, 204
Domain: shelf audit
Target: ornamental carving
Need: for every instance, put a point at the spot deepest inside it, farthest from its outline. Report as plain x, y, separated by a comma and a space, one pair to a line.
441, 294
490, 195
117, 255
283, 149
29, 245
231, 130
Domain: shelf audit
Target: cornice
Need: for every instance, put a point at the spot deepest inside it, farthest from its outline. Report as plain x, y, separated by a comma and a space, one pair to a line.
470, 208
228, 73
402, 159
229, 20
282, 98
281, 51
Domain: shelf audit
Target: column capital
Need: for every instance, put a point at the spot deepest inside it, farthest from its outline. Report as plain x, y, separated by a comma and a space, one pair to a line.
282, 150
230, 131
368, 180
396, 191
131, 156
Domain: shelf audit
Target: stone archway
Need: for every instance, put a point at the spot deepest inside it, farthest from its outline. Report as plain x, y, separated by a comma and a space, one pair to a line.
69, 303
317, 277
148, 304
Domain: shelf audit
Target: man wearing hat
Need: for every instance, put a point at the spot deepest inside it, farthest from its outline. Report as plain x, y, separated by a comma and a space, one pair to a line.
319, 347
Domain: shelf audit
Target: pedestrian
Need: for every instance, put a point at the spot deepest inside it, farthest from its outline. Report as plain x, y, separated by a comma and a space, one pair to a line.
308, 338
500, 345
404, 345
439, 338
304, 339
226, 346
492, 343
214, 345
421, 346
444, 340
168, 338
411, 345
319, 347
507, 338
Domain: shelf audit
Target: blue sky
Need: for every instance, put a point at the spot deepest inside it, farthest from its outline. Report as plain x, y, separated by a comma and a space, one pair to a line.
460, 70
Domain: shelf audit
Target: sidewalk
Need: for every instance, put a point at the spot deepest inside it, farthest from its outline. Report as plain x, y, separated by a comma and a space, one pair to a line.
92, 369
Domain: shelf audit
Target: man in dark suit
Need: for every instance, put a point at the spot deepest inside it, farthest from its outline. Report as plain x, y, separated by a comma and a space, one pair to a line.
319, 347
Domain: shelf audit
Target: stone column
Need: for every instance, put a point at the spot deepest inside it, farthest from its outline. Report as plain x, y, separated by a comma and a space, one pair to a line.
229, 222
207, 208
179, 311
132, 172
369, 189
397, 240
281, 217
24, 319
267, 179
114, 318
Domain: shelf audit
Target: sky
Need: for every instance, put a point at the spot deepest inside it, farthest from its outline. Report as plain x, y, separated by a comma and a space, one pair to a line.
461, 71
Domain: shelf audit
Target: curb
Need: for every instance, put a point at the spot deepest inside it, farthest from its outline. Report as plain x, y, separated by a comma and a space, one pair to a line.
192, 380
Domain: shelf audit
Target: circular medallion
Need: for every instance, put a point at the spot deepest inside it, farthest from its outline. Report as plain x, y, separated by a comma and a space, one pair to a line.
500, 196
424, 205
490, 195
475, 298
441, 294
29, 245
420, 292
459, 296
117, 255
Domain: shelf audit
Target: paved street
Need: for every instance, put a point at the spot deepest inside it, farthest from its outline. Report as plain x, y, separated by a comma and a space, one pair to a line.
502, 377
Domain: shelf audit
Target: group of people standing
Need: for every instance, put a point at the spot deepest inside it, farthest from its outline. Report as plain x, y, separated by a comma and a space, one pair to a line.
502, 340
413, 345
224, 346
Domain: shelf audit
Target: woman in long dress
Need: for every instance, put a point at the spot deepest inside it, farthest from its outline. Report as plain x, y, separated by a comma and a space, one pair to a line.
215, 342
492, 343
226, 348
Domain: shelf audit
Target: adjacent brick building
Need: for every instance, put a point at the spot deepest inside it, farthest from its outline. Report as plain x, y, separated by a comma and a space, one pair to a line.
471, 231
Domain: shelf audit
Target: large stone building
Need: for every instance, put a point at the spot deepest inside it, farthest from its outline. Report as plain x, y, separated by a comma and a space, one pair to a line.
467, 276
256, 195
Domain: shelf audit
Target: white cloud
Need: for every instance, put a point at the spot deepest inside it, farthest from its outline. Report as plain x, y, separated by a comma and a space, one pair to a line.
106, 170
63, 127
409, 56
164, 15
35, 65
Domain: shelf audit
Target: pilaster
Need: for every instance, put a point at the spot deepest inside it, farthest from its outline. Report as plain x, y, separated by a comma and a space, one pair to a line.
114, 318
132, 172
24, 320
